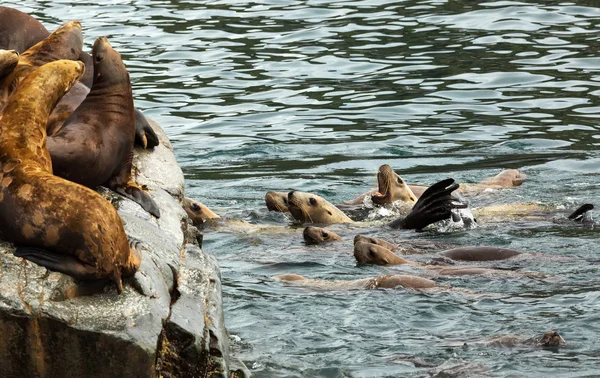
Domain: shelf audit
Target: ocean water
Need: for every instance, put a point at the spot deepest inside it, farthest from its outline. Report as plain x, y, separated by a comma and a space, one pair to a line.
315, 96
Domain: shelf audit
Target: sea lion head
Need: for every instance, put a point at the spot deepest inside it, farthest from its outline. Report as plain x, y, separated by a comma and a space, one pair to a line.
551, 339
197, 212
392, 187
507, 178
8, 61
66, 42
277, 201
370, 240
317, 235
367, 253
109, 69
310, 208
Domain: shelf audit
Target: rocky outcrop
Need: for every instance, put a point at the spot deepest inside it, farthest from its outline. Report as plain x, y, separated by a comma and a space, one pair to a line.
168, 322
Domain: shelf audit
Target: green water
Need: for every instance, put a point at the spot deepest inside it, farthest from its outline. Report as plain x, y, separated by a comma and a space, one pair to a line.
314, 96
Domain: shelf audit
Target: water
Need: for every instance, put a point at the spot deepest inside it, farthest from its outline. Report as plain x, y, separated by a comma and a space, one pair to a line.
314, 96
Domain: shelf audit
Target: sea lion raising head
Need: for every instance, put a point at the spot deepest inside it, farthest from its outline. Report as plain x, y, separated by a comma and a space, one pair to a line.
391, 188
310, 208
95, 144
197, 212
53, 222
277, 201
318, 235
8, 62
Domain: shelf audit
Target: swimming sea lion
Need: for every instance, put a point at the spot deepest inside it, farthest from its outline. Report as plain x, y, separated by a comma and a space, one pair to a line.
53, 222
550, 339
480, 253
8, 62
385, 281
277, 201
318, 235
391, 188
18, 30
380, 242
95, 144
310, 208
65, 43
197, 212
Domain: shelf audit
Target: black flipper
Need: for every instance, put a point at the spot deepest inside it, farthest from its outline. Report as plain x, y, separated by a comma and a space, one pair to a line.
66, 264
435, 204
142, 198
578, 214
145, 136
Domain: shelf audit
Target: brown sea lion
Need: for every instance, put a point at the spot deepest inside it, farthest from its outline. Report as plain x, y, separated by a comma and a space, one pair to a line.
385, 281
95, 144
197, 212
53, 222
318, 235
18, 30
8, 62
480, 253
65, 107
310, 208
65, 43
391, 188
380, 242
550, 339
277, 201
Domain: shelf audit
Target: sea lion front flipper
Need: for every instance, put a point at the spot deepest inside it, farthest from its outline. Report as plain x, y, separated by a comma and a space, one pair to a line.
579, 214
66, 264
434, 205
140, 197
145, 136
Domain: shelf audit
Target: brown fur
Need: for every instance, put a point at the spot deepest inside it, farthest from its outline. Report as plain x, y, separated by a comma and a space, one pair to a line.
387, 281
310, 208
277, 201
197, 212
391, 188
18, 30
318, 235
38, 209
8, 61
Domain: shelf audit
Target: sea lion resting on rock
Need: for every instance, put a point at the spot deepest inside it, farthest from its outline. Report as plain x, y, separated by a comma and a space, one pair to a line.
18, 30
95, 145
65, 43
387, 281
434, 205
55, 223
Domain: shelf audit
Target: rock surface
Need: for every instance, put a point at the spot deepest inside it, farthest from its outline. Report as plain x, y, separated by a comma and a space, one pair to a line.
168, 322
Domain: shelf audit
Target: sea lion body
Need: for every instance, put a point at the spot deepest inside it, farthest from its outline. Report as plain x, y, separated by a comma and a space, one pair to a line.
66, 106
18, 30
310, 208
387, 281
318, 235
95, 144
480, 253
55, 223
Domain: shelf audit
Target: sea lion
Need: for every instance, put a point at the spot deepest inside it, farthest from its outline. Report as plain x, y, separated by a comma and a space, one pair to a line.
18, 30
480, 253
508, 178
387, 281
277, 201
145, 136
53, 222
380, 242
95, 144
550, 339
197, 212
318, 235
391, 188
64, 43
8, 62
310, 208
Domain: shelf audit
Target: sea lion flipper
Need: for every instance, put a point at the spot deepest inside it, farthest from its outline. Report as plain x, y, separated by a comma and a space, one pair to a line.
142, 198
66, 264
144, 134
578, 214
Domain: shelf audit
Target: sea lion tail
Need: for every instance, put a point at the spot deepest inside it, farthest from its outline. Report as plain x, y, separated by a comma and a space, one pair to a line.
578, 214
56, 262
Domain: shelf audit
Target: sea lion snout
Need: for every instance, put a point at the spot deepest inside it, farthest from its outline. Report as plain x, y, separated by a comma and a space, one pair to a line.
552, 339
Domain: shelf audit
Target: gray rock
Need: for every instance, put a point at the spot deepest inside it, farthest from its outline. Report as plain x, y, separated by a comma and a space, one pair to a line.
168, 322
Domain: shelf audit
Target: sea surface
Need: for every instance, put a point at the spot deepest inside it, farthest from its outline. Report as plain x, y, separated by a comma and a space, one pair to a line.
315, 96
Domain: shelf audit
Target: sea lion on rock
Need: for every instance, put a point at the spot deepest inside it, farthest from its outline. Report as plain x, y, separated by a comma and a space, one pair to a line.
277, 201
385, 281
8, 62
95, 144
318, 235
64, 43
53, 222
145, 136
197, 212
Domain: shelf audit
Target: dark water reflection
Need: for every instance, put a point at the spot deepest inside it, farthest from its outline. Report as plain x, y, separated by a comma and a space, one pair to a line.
315, 95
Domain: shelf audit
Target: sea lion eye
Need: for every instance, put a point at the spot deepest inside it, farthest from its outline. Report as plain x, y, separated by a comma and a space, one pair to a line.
400, 181
195, 207
312, 201
325, 234
99, 58
285, 201
329, 212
